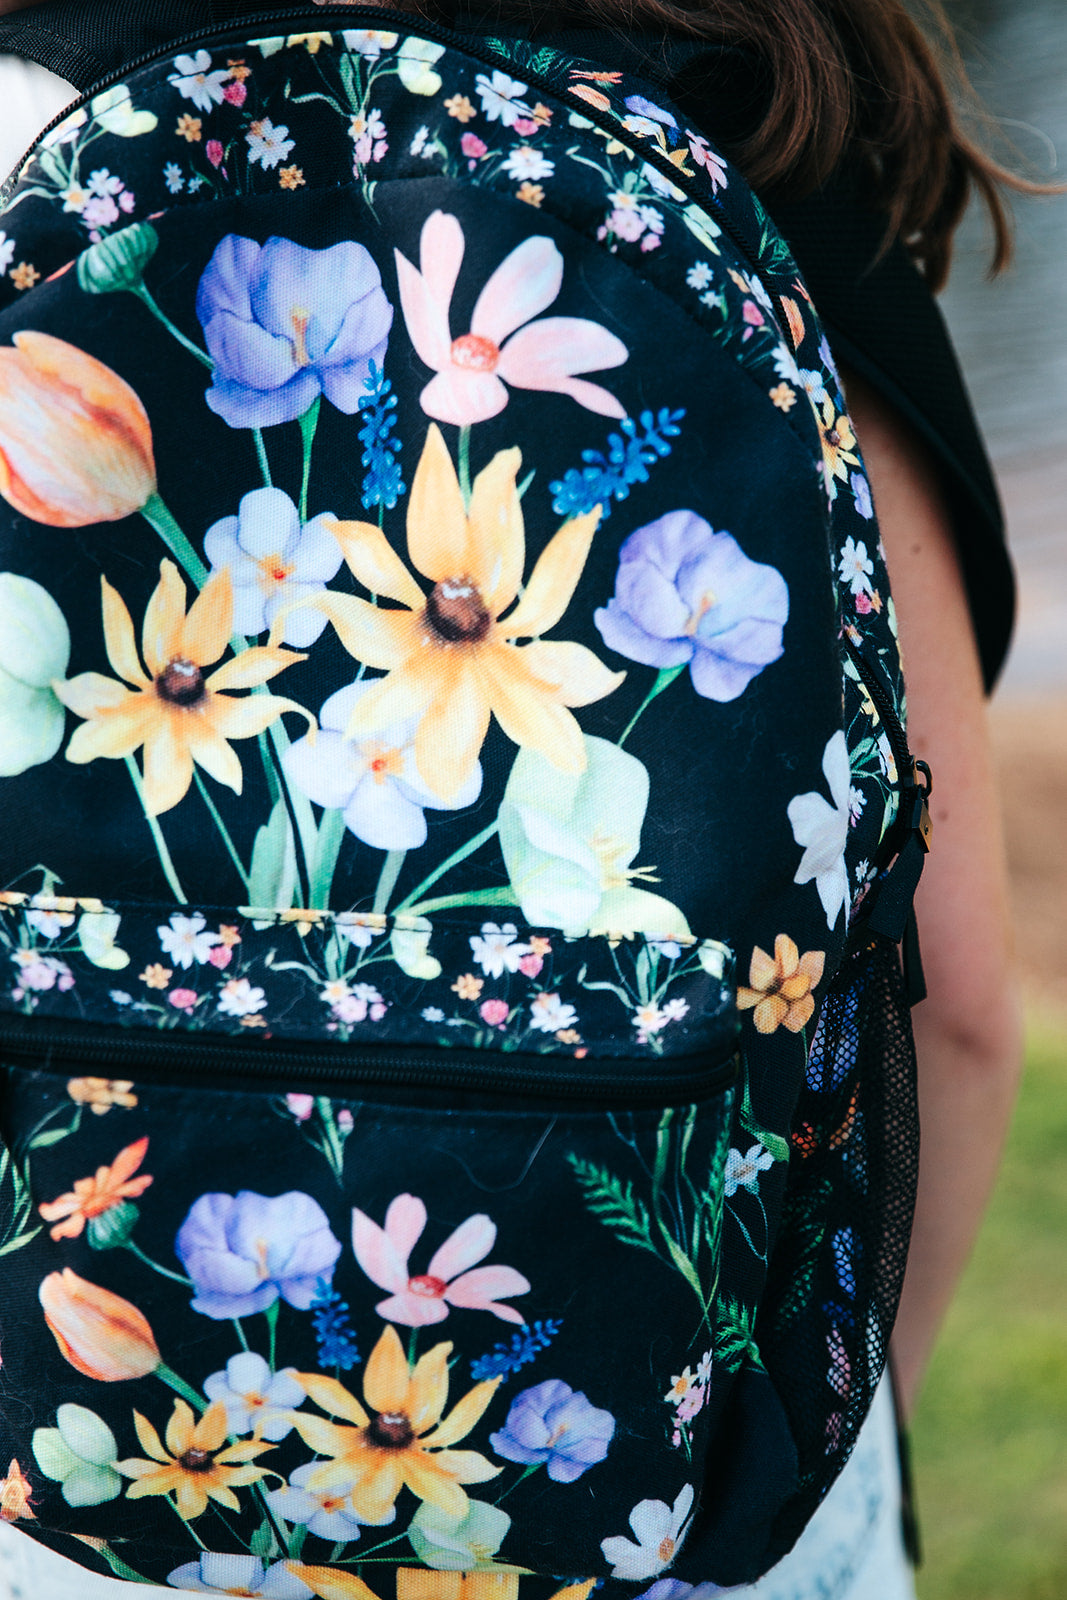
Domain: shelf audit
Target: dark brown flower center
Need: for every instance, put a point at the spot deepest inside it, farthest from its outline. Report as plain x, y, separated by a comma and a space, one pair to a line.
196, 1461
391, 1430
457, 613
182, 683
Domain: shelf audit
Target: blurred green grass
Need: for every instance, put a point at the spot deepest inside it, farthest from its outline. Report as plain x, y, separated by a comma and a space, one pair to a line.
990, 1434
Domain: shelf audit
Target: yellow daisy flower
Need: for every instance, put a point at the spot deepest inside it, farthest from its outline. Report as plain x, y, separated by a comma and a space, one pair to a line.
405, 1442
193, 1466
178, 714
838, 441
449, 657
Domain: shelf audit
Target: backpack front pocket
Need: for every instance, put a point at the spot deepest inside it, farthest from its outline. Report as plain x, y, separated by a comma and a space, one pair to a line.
346, 1329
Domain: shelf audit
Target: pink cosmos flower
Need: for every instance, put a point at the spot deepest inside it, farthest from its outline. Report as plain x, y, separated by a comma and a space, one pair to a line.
417, 1302
473, 147
504, 346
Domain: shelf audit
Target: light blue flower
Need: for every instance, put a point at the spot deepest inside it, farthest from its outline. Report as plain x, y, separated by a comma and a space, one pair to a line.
244, 1251
551, 1423
285, 324
686, 595
254, 1397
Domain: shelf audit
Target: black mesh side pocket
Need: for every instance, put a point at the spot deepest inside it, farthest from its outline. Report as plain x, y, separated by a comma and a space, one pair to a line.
838, 1263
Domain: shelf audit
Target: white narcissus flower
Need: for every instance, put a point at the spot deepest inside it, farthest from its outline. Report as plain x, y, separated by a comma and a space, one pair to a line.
659, 1529
234, 1574
373, 778
254, 1397
821, 829
274, 562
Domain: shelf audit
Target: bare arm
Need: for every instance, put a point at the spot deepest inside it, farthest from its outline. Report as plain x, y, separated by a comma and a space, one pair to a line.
968, 1031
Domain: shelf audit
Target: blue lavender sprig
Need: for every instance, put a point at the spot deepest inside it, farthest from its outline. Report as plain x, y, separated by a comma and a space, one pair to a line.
382, 483
610, 477
330, 1316
504, 1359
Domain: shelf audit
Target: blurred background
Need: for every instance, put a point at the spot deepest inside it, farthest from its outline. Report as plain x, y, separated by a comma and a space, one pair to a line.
990, 1439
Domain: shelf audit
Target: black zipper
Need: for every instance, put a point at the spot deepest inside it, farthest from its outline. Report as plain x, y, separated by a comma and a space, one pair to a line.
405, 23
131, 1053
874, 680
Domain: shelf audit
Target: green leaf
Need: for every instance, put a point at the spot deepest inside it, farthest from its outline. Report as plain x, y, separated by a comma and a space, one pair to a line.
272, 878
614, 1204
118, 262
49, 1137
264, 1542
17, 1244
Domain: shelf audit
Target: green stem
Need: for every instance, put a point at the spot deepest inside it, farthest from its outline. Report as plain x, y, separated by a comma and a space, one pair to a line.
118, 1566
271, 1315
520, 1479
308, 423
464, 453
179, 1385
186, 1525
324, 863
157, 834
187, 344
413, 1340
261, 455
387, 878
231, 848
164, 1271
664, 678
240, 1332
296, 1540
473, 897
334, 1149
156, 513
453, 860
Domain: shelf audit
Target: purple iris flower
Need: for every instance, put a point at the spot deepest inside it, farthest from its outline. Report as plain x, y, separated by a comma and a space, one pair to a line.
285, 324
552, 1423
687, 595
242, 1251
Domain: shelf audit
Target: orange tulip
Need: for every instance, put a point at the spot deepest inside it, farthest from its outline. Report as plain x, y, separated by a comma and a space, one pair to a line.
75, 441
98, 1332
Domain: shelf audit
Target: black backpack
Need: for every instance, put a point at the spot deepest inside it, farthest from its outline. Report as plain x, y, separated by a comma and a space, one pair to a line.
458, 1106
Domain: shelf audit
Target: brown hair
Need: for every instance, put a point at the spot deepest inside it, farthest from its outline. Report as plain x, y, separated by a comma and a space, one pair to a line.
847, 79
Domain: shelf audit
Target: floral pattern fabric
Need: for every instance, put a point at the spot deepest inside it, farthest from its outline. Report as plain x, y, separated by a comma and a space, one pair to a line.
432, 528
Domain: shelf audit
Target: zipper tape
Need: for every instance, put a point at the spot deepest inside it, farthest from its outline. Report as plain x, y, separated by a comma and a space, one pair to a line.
57, 1047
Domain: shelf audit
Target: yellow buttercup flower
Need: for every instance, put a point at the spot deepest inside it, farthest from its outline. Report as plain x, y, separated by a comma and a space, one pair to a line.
75, 441
193, 1465
449, 657
178, 714
405, 1442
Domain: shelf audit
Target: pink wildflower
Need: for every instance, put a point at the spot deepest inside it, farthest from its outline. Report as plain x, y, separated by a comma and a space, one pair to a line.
214, 152
183, 999
220, 955
494, 1012
236, 93
301, 1105
504, 346
416, 1302
531, 965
